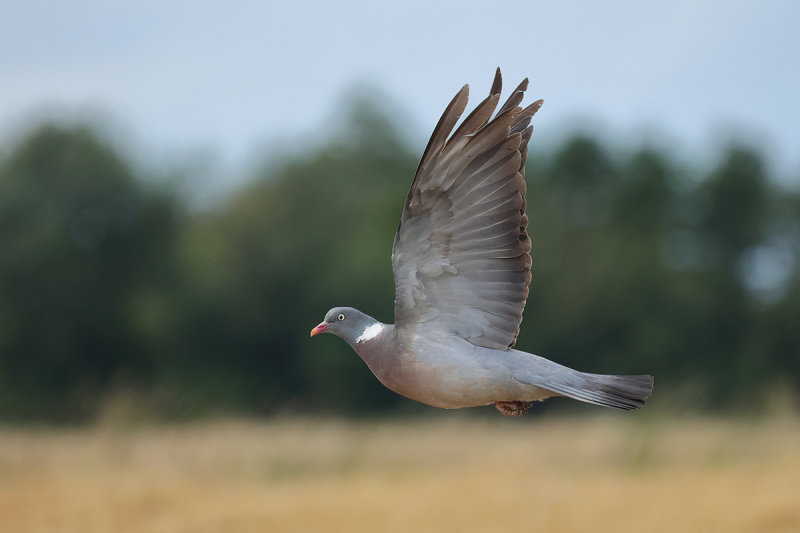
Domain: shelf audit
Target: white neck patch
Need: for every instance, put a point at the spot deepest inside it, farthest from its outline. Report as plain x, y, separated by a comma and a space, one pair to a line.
370, 332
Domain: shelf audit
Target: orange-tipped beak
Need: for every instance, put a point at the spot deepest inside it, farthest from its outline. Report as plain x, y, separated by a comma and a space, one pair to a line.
319, 329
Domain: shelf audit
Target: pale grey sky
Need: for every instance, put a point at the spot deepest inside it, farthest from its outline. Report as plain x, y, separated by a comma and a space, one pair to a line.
184, 76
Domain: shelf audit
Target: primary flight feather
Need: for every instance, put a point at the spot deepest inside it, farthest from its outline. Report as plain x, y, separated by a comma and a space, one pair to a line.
462, 266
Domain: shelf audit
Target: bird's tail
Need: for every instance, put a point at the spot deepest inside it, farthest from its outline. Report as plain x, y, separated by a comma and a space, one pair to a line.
620, 392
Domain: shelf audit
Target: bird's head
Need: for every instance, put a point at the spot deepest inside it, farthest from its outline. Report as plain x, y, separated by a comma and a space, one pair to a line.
349, 324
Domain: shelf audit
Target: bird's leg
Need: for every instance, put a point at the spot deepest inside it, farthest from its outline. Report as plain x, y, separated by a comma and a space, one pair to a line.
515, 408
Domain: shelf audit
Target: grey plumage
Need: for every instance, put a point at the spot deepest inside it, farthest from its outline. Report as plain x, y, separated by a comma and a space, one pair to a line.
461, 261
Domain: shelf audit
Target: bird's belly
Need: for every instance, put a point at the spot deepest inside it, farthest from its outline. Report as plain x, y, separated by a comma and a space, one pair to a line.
452, 381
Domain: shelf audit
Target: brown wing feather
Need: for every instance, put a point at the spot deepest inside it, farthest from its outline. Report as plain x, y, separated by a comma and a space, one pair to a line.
461, 256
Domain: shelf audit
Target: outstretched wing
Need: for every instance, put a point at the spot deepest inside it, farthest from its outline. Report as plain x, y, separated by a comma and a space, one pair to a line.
461, 254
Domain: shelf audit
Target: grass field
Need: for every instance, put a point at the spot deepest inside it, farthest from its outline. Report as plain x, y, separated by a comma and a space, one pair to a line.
603, 473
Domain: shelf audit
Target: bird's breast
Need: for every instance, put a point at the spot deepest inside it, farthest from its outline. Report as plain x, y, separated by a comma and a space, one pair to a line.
443, 375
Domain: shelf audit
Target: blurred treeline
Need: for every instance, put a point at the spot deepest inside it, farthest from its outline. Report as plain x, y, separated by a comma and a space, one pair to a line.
112, 286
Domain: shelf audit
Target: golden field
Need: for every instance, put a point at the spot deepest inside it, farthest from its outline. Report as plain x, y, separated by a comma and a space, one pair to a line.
608, 472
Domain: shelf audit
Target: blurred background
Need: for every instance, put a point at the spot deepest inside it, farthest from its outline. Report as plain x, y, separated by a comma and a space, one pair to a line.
185, 192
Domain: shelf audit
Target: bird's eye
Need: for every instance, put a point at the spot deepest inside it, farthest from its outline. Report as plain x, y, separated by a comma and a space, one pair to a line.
341, 316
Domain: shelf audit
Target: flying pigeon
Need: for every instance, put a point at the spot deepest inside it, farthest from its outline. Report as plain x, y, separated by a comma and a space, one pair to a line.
462, 266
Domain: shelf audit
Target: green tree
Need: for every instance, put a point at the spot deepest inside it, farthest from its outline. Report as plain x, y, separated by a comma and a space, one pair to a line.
637, 267
79, 238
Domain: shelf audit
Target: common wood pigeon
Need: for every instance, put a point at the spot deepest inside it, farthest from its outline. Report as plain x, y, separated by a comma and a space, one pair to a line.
462, 266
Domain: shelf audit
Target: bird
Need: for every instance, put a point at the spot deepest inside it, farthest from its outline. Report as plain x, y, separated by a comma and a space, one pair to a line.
462, 269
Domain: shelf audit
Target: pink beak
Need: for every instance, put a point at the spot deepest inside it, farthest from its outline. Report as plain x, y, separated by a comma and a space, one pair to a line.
319, 329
